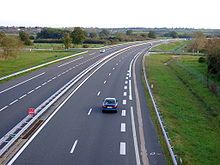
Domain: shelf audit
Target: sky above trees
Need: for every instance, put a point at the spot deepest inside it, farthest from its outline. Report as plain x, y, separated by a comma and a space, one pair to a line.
111, 13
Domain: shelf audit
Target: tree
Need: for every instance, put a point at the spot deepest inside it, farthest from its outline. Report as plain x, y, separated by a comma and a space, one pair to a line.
129, 32
151, 34
174, 34
78, 36
51, 33
10, 45
67, 40
25, 38
2, 35
212, 48
104, 33
93, 35
198, 43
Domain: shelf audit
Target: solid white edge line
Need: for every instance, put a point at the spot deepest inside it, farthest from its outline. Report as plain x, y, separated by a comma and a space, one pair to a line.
130, 93
123, 112
90, 110
22, 82
123, 127
122, 148
73, 147
138, 162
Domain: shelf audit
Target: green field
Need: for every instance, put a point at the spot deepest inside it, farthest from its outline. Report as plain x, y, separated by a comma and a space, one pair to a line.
178, 46
190, 111
29, 59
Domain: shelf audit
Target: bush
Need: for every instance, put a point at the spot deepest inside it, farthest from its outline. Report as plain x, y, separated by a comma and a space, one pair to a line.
94, 41
202, 60
85, 46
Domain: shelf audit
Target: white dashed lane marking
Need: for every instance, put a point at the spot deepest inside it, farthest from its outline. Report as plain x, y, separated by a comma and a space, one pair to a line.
90, 110
125, 94
4, 108
22, 96
126, 82
37, 87
104, 82
124, 102
123, 127
123, 112
125, 87
13, 102
98, 93
122, 148
109, 74
30, 91
44, 84
73, 147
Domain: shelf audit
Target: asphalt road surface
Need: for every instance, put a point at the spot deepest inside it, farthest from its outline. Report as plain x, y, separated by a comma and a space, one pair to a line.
78, 132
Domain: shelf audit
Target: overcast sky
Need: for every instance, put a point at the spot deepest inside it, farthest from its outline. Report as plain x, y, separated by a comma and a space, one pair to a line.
111, 13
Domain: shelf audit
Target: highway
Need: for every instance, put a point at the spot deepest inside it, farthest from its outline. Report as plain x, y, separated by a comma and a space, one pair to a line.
77, 132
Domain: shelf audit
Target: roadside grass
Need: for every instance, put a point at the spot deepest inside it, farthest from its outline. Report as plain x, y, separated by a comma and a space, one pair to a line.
156, 124
190, 111
172, 46
29, 59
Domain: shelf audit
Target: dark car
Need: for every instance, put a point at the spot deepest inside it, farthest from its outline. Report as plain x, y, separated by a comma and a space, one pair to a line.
110, 104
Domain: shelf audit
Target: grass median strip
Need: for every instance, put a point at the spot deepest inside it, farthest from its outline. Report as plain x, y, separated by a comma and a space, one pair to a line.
190, 111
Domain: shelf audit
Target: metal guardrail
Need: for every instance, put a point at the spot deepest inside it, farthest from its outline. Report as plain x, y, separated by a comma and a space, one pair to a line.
7, 140
167, 139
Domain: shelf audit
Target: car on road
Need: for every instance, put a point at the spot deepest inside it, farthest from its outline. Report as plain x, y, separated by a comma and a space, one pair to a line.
102, 51
110, 104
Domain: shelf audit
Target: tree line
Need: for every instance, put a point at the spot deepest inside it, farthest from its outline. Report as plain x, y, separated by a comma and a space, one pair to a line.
209, 46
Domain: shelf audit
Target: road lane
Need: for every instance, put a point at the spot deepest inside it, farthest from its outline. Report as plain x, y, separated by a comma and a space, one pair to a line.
94, 133
81, 134
43, 86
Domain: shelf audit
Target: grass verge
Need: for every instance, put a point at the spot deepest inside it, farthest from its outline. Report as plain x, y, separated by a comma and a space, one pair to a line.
156, 124
189, 109
172, 46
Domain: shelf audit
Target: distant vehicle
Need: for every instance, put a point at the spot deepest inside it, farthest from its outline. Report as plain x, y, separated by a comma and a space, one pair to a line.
110, 104
102, 51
